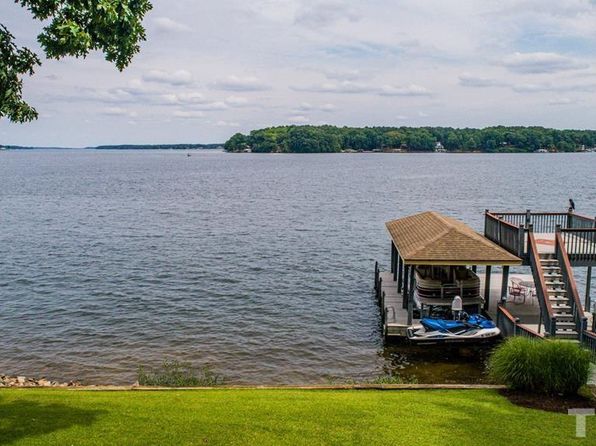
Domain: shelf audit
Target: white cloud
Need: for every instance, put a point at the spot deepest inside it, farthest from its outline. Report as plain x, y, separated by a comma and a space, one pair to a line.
169, 25
222, 123
469, 80
343, 87
553, 87
299, 119
339, 74
192, 97
236, 83
179, 77
188, 114
409, 90
561, 101
320, 13
237, 101
118, 111
539, 62
307, 107
114, 111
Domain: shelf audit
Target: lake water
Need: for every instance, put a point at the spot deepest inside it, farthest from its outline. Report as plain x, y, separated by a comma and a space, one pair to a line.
259, 265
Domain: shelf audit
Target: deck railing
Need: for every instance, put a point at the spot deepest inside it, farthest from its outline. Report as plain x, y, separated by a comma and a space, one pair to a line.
588, 341
546, 309
510, 326
508, 229
507, 234
546, 222
580, 244
581, 322
576, 221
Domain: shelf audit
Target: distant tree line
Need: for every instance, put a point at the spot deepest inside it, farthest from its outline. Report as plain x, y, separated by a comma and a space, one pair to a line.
157, 147
327, 138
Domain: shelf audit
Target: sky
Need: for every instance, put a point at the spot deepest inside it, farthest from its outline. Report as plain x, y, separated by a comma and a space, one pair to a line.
210, 69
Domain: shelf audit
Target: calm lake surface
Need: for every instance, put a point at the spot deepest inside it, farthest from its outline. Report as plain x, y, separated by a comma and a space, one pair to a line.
258, 265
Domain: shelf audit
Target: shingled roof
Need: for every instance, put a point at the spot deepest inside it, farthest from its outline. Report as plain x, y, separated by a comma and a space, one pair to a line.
430, 238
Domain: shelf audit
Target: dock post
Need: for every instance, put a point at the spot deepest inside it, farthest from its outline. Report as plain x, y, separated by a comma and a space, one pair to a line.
528, 217
505, 283
400, 273
588, 285
521, 242
406, 289
487, 287
410, 297
392, 257
376, 274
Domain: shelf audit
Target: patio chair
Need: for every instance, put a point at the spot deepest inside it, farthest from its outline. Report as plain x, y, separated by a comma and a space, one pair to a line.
517, 292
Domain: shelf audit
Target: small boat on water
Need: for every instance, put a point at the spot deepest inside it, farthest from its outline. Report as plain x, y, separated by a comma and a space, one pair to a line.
469, 329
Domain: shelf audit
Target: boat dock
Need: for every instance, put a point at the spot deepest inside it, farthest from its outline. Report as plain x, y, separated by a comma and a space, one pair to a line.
434, 258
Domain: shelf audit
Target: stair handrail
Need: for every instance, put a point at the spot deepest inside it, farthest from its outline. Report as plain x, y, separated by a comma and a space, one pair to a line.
580, 319
550, 320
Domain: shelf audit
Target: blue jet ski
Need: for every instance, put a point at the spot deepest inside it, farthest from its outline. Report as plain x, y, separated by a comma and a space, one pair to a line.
470, 329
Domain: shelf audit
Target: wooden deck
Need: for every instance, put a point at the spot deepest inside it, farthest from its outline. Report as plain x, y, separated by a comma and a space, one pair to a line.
395, 320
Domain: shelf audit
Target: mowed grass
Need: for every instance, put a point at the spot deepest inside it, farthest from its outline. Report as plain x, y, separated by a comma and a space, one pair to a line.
277, 417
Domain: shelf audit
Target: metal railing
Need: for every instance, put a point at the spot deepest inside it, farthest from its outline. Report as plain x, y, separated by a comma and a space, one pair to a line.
581, 322
549, 319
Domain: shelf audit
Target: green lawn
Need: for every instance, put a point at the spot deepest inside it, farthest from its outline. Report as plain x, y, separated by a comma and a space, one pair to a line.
277, 417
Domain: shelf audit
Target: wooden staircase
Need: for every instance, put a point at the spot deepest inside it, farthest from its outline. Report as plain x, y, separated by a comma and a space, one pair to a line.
559, 300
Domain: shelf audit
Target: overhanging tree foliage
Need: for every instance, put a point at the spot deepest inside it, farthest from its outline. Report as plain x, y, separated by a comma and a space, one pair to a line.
74, 28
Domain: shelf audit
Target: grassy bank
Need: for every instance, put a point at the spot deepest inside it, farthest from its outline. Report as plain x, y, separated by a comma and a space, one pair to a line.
263, 417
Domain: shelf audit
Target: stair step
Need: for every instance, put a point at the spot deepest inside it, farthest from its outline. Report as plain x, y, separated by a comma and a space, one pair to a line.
558, 299
566, 334
565, 325
564, 317
546, 256
561, 307
549, 261
556, 291
553, 283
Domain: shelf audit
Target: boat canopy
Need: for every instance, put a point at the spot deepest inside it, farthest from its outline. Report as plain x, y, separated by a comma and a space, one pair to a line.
430, 238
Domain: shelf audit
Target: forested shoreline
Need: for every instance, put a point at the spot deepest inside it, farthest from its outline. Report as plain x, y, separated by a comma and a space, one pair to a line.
329, 139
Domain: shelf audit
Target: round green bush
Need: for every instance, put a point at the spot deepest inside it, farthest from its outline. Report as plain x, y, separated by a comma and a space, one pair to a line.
550, 367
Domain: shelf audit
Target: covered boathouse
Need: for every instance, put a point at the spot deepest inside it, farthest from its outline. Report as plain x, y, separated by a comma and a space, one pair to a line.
433, 259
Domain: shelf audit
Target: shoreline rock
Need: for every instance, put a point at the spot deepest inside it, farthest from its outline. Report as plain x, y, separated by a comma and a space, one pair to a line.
23, 381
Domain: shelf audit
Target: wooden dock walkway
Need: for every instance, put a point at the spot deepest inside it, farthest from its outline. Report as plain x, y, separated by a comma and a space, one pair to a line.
395, 316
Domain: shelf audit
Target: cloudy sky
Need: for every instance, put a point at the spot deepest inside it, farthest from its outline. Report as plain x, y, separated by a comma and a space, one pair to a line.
213, 68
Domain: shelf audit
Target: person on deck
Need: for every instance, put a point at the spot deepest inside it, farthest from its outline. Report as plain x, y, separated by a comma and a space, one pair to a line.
571, 205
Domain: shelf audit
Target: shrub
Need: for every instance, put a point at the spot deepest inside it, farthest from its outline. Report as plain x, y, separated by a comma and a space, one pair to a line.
179, 374
550, 367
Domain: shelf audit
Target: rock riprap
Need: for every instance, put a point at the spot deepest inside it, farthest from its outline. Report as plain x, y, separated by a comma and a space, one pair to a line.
22, 381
